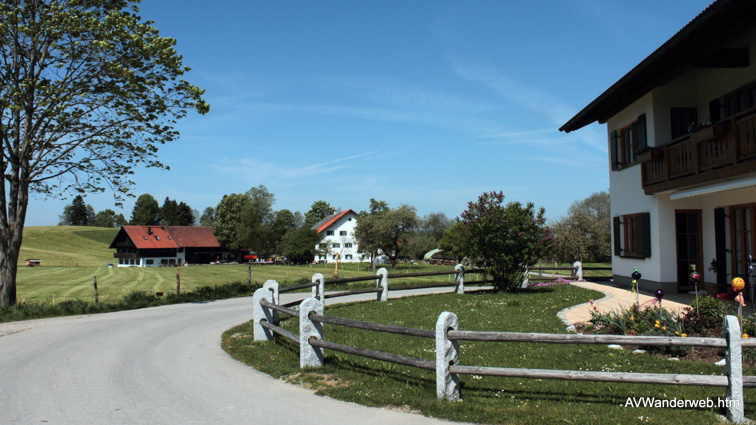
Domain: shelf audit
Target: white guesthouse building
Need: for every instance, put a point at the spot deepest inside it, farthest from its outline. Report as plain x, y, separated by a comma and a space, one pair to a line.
338, 231
682, 154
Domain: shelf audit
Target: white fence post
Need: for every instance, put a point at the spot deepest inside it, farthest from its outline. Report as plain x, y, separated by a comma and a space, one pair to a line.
260, 313
310, 356
578, 270
383, 284
735, 411
447, 354
525, 282
319, 290
272, 286
460, 269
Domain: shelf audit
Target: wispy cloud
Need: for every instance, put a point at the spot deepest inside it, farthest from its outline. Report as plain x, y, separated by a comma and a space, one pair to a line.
255, 169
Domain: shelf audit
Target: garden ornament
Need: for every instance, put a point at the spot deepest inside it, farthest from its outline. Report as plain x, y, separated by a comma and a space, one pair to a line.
695, 277
634, 288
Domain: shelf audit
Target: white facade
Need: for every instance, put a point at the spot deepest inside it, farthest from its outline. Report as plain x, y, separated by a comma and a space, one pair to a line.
695, 88
339, 239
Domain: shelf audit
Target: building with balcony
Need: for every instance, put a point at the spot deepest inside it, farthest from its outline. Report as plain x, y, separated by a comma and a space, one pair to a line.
338, 241
165, 246
682, 154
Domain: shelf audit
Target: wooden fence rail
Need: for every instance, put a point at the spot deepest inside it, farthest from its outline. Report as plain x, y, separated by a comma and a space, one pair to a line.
312, 321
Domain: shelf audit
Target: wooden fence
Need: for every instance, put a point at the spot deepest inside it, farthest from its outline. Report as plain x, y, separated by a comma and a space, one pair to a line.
311, 340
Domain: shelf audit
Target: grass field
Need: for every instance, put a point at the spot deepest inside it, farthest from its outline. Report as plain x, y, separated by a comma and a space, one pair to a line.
484, 399
61, 248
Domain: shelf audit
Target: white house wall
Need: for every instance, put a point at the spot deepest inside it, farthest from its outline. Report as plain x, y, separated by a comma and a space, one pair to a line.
627, 196
695, 88
343, 224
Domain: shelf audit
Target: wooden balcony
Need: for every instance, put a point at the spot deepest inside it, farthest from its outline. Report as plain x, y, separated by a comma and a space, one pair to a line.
131, 255
720, 152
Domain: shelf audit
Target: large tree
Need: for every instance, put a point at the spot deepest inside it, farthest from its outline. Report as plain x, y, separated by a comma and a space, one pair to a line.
318, 211
584, 233
176, 214
146, 211
208, 217
88, 91
386, 230
227, 226
104, 218
298, 244
75, 214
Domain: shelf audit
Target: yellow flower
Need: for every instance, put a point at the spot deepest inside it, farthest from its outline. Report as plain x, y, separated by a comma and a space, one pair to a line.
632, 317
657, 325
677, 333
665, 328
745, 335
683, 335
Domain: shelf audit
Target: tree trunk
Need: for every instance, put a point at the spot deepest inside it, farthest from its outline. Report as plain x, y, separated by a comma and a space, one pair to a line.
8, 266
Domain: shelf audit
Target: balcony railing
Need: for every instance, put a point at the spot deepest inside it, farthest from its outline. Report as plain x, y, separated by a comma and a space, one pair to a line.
713, 153
132, 255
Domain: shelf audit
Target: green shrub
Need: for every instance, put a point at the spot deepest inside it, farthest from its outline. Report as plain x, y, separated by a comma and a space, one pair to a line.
505, 240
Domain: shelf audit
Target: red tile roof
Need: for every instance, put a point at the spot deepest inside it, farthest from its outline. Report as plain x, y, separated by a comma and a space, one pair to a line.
333, 219
157, 237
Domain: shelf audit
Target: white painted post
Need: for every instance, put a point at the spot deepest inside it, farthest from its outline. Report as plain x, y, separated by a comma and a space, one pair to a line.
272, 286
735, 411
525, 281
319, 290
460, 288
382, 283
578, 270
447, 354
261, 313
310, 356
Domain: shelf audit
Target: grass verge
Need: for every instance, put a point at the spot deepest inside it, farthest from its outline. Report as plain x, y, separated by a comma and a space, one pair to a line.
485, 399
132, 301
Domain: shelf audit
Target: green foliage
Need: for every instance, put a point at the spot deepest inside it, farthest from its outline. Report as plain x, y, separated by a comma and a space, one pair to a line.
653, 321
257, 219
505, 240
131, 301
318, 211
208, 217
105, 218
146, 211
227, 225
89, 92
387, 230
584, 235
75, 214
298, 245
453, 241
176, 214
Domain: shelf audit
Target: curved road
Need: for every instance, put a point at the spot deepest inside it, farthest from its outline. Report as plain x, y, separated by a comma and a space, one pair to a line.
161, 365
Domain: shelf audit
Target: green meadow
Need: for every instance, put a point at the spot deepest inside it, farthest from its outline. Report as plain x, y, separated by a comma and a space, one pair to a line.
72, 256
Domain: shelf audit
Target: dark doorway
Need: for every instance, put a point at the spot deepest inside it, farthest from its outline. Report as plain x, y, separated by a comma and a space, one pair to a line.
689, 247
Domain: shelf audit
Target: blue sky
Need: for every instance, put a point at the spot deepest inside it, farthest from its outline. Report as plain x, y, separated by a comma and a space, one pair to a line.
428, 103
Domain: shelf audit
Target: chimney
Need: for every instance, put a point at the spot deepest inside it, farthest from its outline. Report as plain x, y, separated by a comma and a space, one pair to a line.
149, 230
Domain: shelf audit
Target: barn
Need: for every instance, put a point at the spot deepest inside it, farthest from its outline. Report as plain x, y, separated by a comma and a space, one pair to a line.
165, 246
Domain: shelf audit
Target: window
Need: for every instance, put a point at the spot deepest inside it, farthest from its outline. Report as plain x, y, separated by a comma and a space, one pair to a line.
348, 245
335, 256
336, 245
150, 261
348, 257
329, 232
741, 237
627, 142
120, 261
681, 119
632, 235
343, 233
172, 261
733, 103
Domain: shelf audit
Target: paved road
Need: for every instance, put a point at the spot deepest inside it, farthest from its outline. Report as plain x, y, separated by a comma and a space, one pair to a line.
161, 365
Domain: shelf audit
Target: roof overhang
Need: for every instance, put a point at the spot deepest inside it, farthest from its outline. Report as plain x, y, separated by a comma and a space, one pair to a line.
696, 44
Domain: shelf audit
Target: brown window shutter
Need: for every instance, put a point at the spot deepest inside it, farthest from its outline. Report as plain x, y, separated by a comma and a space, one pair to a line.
617, 242
720, 249
613, 148
645, 233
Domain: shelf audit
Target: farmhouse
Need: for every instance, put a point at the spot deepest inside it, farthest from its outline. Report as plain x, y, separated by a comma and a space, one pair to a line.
155, 246
338, 241
682, 154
